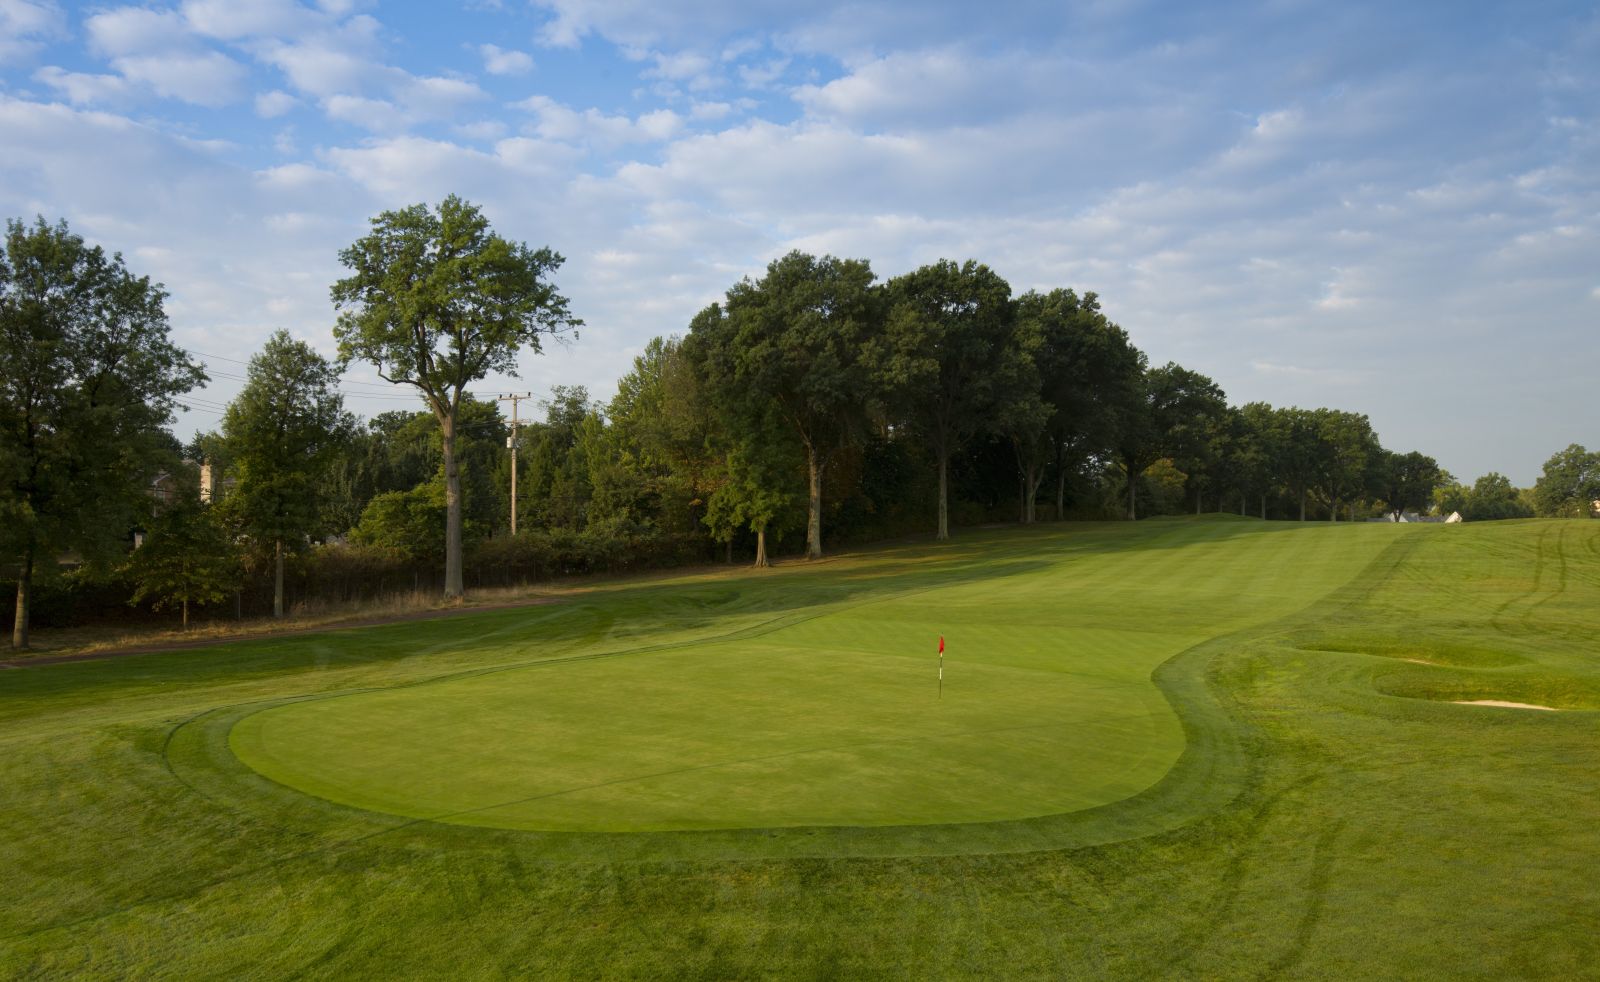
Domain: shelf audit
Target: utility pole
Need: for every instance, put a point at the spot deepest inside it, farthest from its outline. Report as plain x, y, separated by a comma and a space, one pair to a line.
511, 442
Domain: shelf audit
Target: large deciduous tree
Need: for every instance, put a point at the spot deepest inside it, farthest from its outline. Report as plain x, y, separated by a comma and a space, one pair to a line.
794, 337
1090, 374
1299, 452
947, 360
88, 378
1258, 447
1175, 413
1406, 481
1348, 446
437, 300
1569, 486
282, 431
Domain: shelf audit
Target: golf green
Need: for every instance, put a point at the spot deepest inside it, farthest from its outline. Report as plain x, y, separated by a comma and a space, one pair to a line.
832, 716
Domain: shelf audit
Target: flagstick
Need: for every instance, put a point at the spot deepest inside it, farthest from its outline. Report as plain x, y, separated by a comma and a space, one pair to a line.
941, 673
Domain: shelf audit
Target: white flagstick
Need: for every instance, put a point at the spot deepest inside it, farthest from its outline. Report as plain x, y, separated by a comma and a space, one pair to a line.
941, 668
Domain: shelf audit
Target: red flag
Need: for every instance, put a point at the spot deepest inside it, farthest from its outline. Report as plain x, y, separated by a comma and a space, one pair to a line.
941, 644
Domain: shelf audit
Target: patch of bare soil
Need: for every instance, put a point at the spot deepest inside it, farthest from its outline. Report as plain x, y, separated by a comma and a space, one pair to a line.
336, 625
1503, 704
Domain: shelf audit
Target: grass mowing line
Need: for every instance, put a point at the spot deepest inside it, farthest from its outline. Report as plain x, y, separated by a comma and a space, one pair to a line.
1190, 532
1435, 808
1197, 780
773, 625
431, 758
447, 816
1167, 673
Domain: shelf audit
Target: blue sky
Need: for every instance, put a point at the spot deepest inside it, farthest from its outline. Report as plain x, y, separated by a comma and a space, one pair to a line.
1388, 208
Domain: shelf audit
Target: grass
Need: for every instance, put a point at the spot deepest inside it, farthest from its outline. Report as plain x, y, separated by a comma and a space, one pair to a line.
60, 642
1212, 748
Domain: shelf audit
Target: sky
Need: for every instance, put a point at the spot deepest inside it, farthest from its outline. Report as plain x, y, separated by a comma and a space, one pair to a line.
1386, 208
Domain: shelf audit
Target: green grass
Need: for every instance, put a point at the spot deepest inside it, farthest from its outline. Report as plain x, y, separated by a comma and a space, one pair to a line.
1212, 748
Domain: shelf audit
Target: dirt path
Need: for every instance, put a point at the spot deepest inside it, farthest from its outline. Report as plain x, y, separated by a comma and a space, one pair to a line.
338, 625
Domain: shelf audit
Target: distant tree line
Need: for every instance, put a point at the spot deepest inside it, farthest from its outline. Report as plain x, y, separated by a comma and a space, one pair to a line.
812, 405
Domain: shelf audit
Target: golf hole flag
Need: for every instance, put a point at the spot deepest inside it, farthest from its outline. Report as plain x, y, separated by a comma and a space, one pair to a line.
941, 666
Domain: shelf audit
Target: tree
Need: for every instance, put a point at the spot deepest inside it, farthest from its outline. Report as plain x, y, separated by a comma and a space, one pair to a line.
438, 301
409, 523
794, 338
1091, 377
1300, 452
1258, 446
1569, 485
1172, 418
1450, 496
756, 493
88, 378
187, 556
1406, 481
667, 427
1346, 444
283, 430
1492, 497
944, 361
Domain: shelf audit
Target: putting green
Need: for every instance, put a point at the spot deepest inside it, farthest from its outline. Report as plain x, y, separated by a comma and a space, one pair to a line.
835, 718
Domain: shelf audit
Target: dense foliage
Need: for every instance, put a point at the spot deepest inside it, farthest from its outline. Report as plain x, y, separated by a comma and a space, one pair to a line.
811, 404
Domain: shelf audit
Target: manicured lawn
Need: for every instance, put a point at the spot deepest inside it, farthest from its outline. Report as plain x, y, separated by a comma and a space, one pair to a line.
1184, 747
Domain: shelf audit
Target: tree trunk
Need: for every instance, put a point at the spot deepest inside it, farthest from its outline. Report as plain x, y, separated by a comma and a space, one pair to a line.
814, 515
1244, 499
19, 630
1133, 494
186, 613
761, 548
277, 579
730, 550
944, 499
453, 587
1352, 511
1333, 510
1030, 505
1302, 504
1061, 494
1263, 506
1198, 498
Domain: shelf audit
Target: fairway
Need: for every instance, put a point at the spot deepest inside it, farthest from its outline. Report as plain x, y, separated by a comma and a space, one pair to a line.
834, 718
1178, 748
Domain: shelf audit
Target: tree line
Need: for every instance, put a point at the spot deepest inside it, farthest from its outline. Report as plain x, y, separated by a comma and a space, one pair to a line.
814, 401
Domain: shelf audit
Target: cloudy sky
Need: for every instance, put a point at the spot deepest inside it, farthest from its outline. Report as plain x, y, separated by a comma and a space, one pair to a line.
1389, 208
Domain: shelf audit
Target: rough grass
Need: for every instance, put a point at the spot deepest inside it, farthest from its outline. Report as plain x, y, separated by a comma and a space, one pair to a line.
1331, 813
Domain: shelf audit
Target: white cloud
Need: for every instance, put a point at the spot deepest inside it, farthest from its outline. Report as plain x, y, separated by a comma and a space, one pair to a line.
204, 79
501, 61
710, 110
331, 62
435, 97
762, 76
83, 89
559, 122
232, 20
136, 31
158, 50
25, 25
482, 130
270, 105
377, 115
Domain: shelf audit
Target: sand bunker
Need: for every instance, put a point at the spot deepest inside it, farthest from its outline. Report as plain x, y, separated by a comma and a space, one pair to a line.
1503, 705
